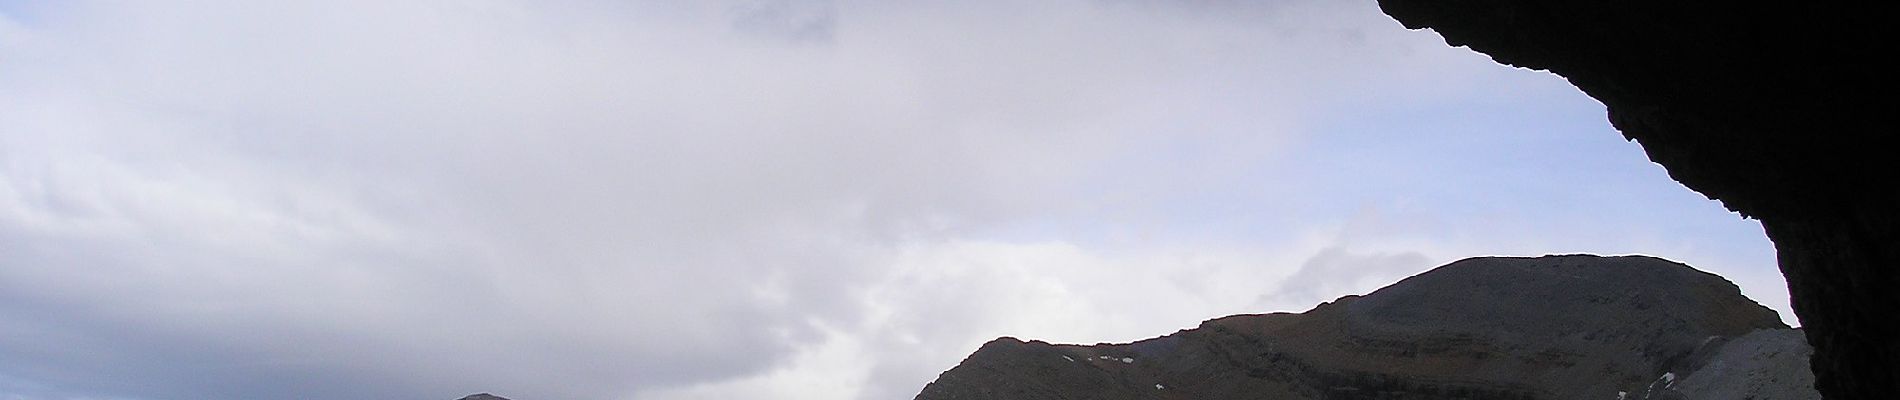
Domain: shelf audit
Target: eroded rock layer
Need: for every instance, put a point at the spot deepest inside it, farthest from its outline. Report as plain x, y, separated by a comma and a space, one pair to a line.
1558, 327
1781, 110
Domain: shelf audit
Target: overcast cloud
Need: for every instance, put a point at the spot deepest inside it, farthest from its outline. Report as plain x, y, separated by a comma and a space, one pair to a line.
352, 199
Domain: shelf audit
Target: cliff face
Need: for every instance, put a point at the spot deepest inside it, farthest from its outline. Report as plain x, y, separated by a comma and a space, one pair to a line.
1777, 109
1562, 327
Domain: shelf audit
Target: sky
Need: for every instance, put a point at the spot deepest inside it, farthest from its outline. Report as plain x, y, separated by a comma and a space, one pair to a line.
750, 199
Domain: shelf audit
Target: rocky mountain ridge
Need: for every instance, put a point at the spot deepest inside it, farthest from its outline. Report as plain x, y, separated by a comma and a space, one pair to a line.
1554, 327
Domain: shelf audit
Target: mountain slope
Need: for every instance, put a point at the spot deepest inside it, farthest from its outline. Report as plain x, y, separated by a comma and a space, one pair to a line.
1556, 327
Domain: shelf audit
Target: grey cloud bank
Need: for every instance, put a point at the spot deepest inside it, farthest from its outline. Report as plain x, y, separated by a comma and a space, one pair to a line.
757, 199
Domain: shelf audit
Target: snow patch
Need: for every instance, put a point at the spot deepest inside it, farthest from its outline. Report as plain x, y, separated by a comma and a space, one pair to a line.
1128, 360
1067, 358
1159, 387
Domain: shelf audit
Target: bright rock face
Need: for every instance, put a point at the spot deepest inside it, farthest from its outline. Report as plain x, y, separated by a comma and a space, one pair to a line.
1778, 109
1558, 327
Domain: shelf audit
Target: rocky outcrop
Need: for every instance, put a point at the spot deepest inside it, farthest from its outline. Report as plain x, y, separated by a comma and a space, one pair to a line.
1765, 364
483, 396
1558, 327
1778, 109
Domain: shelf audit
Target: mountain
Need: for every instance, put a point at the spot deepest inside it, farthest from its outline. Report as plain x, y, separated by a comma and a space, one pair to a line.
483, 396
1554, 327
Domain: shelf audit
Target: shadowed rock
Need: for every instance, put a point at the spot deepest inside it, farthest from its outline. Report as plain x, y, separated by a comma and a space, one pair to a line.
1778, 109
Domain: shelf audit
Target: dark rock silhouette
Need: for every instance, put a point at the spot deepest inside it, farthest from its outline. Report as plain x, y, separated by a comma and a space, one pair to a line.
1778, 109
483, 396
1557, 327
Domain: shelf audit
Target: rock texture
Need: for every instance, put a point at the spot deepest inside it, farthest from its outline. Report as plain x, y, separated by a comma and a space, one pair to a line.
1558, 327
1778, 109
1765, 364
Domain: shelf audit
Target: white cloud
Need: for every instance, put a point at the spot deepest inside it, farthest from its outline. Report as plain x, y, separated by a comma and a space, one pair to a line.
357, 199
941, 300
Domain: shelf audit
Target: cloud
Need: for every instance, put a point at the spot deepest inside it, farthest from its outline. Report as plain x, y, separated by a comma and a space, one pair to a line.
794, 20
941, 300
1336, 271
574, 199
360, 199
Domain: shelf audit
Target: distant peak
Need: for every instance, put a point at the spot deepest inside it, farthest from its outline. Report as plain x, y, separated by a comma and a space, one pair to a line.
1551, 327
483, 396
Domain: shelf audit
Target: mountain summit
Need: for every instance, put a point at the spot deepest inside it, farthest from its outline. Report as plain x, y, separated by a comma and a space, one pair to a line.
1554, 327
